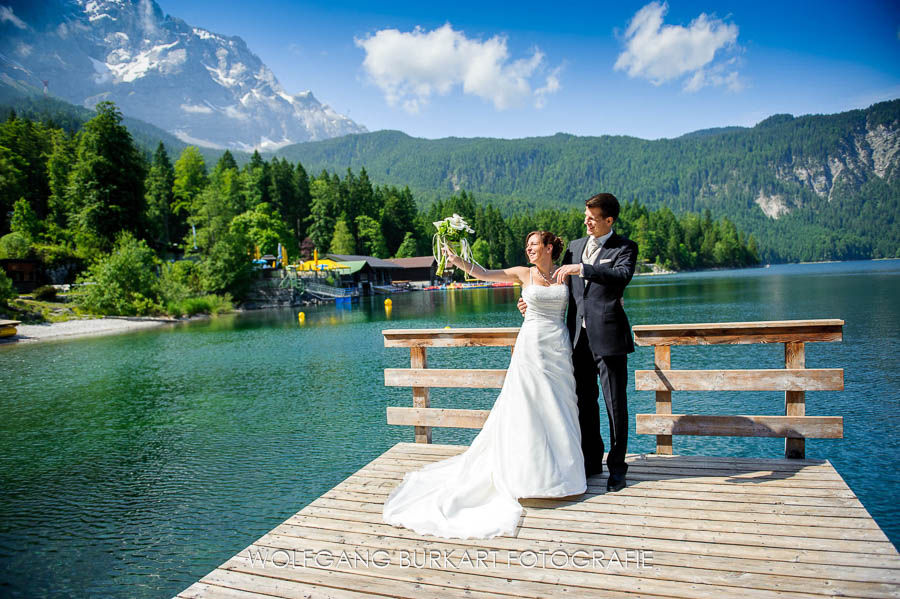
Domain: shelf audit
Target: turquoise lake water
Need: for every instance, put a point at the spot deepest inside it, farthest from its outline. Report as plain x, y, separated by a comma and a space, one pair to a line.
133, 465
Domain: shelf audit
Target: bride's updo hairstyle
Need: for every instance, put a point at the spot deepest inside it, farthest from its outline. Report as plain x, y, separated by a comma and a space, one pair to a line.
548, 238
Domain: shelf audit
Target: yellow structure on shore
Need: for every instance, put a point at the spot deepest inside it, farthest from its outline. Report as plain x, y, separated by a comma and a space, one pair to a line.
8, 327
322, 264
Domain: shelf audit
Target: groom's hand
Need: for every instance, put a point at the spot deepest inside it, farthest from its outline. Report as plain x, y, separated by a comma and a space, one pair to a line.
522, 306
565, 270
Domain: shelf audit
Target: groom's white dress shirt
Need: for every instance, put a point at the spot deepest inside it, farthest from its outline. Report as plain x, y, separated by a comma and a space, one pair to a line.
591, 248
590, 253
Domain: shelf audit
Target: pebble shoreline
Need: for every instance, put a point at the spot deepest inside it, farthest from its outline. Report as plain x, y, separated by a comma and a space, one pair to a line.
85, 327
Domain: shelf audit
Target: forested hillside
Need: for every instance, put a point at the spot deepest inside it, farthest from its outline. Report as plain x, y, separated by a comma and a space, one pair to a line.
66, 116
808, 188
161, 234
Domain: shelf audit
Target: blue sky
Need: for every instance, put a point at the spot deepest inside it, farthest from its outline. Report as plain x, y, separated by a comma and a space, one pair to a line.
527, 69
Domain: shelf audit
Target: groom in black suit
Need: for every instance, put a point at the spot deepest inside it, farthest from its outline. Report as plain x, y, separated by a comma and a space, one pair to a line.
599, 267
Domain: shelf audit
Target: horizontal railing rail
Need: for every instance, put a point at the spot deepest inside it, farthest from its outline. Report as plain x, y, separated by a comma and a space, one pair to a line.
421, 378
794, 380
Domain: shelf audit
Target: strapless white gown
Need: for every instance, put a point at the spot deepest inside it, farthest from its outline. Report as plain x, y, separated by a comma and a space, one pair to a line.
530, 445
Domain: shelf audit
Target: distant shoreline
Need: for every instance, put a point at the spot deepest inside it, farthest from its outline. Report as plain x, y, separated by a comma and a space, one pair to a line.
113, 325
83, 327
766, 265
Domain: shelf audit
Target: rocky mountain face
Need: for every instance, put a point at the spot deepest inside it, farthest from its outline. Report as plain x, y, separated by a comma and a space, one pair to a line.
207, 89
871, 150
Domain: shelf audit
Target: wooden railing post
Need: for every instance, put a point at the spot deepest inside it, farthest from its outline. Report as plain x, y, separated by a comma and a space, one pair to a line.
794, 401
419, 359
662, 355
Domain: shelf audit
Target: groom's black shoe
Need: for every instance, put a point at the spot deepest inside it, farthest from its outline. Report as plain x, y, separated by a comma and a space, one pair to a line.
615, 483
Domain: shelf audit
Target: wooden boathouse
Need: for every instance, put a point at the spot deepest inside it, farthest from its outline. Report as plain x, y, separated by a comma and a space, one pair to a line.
685, 526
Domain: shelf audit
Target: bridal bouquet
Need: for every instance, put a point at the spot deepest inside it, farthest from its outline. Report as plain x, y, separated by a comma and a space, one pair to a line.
451, 232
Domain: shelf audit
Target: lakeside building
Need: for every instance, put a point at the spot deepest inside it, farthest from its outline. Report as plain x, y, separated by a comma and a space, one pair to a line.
365, 272
26, 275
419, 271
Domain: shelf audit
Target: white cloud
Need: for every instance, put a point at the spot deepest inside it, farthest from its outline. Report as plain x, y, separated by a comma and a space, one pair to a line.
551, 86
7, 16
715, 75
661, 53
411, 67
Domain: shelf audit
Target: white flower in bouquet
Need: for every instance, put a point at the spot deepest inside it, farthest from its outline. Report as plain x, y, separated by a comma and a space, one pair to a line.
451, 232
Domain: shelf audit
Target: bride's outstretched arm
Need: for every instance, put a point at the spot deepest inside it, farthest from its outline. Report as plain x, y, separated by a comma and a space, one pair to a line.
503, 275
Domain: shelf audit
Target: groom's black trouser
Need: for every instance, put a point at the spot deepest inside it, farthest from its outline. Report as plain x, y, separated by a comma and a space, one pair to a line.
613, 373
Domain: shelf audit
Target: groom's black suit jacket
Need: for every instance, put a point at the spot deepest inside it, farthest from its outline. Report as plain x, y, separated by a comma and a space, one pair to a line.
598, 295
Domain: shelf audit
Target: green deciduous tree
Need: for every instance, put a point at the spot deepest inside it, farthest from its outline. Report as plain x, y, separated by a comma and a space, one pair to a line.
25, 221
7, 291
408, 248
123, 281
262, 227
226, 268
343, 241
14, 245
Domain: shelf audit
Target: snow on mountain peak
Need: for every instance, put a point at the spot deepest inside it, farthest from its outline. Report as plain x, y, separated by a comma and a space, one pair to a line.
206, 88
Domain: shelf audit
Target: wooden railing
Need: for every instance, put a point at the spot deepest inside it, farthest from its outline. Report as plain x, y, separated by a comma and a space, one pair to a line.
421, 378
794, 379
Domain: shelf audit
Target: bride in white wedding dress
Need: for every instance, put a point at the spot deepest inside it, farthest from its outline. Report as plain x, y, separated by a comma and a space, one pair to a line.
530, 445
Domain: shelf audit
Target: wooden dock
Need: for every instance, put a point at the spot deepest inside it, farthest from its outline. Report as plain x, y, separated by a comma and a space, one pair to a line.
684, 526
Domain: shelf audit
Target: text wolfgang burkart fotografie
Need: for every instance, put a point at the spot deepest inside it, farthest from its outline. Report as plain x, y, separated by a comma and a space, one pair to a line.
451, 559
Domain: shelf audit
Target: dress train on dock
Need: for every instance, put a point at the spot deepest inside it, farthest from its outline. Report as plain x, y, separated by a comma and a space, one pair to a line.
530, 445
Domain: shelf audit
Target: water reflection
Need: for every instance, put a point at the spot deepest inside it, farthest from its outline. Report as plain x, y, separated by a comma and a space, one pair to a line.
148, 459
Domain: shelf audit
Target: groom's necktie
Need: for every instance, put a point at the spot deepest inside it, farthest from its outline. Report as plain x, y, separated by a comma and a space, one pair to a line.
590, 249
590, 252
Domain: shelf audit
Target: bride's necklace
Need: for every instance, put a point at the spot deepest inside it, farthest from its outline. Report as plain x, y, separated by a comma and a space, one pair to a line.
549, 279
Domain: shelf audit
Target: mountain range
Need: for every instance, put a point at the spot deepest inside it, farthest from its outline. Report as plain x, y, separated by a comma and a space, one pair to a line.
809, 188
206, 89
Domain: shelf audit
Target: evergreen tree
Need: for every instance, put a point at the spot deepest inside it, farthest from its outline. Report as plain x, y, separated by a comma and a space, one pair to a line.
303, 201
370, 240
107, 182
160, 196
324, 201
398, 215
256, 181
284, 194
190, 180
31, 142
59, 167
12, 185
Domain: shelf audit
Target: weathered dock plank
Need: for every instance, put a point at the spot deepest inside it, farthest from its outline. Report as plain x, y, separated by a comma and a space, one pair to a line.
685, 526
